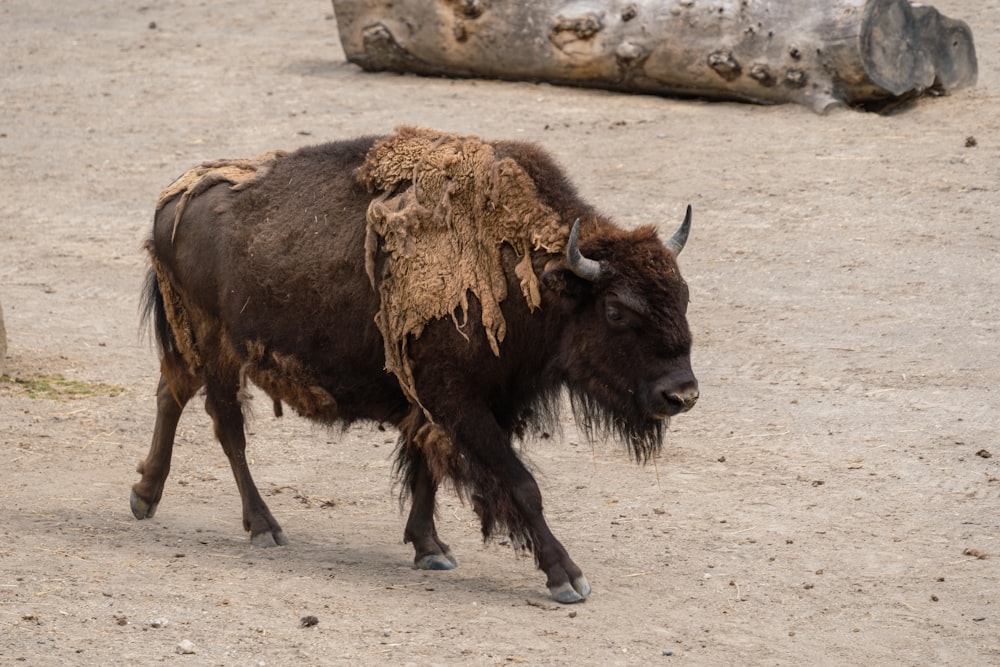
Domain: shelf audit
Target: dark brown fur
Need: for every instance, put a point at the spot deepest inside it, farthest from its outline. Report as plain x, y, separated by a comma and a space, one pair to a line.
268, 283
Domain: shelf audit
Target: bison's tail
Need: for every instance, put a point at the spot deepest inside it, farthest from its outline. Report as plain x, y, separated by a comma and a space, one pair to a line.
153, 312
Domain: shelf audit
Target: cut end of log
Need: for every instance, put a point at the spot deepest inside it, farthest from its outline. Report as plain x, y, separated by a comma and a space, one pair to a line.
909, 50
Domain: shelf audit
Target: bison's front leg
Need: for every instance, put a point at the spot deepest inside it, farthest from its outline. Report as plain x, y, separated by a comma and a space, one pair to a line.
565, 581
506, 495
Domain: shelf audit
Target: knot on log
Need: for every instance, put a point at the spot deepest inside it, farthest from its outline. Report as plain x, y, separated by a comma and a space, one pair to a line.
470, 9
583, 27
796, 78
630, 54
761, 73
382, 51
575, 34
725, 64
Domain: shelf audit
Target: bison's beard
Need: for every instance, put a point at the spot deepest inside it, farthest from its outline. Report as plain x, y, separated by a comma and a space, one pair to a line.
627, 421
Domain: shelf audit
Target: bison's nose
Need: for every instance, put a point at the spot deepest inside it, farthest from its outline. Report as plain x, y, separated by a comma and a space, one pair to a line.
679, 398
685, 398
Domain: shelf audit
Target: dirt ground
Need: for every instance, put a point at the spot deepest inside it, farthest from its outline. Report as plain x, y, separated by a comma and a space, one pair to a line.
831, 500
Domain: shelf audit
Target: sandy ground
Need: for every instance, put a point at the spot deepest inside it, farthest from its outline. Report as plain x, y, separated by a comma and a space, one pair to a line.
826, 502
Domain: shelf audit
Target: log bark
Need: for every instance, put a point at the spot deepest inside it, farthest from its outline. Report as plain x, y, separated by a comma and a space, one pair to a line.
820, 53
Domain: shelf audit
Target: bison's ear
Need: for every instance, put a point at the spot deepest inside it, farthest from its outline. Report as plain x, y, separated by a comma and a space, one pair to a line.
560, 279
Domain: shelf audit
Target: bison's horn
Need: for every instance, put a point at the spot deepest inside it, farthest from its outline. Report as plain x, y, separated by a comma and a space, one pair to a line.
584, 267
680, 237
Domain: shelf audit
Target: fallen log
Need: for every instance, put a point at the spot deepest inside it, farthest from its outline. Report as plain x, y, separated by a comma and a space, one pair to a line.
820, 53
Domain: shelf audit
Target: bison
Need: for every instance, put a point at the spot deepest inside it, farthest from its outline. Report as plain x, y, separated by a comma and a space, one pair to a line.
311, 274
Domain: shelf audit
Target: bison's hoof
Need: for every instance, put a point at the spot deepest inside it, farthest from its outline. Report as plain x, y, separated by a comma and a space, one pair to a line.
436, 562
269, 539
569, 593
140, 508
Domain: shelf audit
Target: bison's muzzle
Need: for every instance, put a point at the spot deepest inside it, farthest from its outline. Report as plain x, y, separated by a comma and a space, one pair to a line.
672, 396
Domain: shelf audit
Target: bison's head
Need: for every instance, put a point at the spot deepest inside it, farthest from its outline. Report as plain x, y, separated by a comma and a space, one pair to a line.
626, 346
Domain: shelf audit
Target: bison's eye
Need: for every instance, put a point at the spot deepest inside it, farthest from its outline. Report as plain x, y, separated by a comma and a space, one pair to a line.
619, 315
616, 314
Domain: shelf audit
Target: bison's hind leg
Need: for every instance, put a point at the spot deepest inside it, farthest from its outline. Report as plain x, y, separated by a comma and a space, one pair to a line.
430, 553
171, 397
223, 404
418, 437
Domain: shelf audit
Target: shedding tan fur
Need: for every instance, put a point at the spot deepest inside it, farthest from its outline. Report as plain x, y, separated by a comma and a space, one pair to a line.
449, 203
437, 449
240, 173
280, 374
177, 316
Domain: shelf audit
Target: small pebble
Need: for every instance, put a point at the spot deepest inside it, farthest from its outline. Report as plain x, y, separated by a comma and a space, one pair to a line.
186, 647
667, 651
159, 623
308, 621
